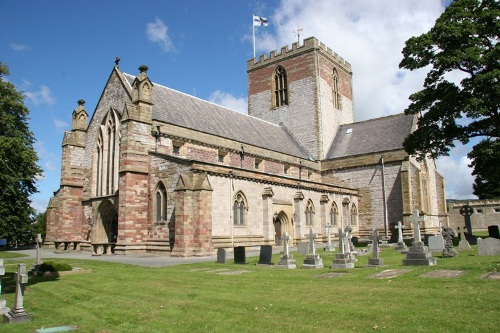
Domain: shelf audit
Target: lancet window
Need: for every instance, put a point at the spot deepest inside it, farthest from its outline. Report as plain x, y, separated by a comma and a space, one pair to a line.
106, 157
161, 203
354, 215
280, 86
335, 90
240, 209
309, 213
334, 213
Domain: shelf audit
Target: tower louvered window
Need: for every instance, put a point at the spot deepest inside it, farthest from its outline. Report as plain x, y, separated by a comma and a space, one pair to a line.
280, 87
337, 102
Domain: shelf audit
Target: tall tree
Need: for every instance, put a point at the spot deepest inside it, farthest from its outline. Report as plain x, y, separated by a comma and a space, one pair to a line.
464, 39
18, 165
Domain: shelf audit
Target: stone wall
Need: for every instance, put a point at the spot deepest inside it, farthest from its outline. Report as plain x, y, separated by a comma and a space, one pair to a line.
485, 213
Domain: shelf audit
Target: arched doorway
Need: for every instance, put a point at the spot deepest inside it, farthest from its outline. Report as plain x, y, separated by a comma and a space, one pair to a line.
105, 231
281, 225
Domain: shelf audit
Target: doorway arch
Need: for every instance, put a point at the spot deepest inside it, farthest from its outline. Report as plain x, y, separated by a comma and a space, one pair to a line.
106, 226
282, 224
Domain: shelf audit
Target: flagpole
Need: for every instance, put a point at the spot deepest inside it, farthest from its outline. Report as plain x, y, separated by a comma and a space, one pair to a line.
253, 28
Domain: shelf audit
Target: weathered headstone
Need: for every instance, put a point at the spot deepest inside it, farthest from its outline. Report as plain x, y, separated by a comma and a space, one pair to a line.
418, 253
466, 211
240, 255
312, 259
463, 244
344, 259
400, 246
376, 260
329, 247
449, 251
488, 246
436, 243
286, 260
266, 254
493, 231
302, 247
221, 256
3, 303
348, 236
18, 314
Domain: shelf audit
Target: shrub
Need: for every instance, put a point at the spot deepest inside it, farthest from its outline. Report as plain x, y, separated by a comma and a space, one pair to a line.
53, 266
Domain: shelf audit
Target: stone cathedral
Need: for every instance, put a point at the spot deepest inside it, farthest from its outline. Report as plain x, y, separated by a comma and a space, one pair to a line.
156, 170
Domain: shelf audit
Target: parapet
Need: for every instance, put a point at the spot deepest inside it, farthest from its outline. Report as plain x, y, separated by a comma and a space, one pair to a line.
309, 44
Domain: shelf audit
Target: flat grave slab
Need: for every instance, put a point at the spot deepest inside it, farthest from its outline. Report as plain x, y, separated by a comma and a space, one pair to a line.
492, 276
390, 273
200, 269
56, 329
235, 272
331, 275
443, 273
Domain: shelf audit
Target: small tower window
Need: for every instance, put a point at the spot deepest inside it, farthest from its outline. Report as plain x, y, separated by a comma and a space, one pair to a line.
280, 85
337, 102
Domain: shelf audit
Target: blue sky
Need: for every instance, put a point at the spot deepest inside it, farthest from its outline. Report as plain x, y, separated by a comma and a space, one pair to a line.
61, 51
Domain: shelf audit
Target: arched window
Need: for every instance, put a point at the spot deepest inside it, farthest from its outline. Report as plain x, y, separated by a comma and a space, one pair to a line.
354, 215
337, 102
334, 213
161, 203
280, 86
106, 161
309, 213
240, 209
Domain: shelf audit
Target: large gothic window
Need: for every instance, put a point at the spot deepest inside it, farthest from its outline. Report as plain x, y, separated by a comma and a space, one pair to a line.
280, 87
106, 157
335, 90
309, 213
334, 214
240, 209
161, 203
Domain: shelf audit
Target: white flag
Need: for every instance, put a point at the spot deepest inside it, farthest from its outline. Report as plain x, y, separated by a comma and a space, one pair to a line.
259, 21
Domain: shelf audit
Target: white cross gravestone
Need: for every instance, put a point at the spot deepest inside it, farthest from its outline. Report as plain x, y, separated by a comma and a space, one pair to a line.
400, 228
415, 219
286, 260
376, 260
312, 259
418, 254
329, 247
39, 242
343, 259
3, 303
312, 245
18, 314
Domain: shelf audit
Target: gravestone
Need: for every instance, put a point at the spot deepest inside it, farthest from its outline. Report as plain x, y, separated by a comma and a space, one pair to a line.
221, 256
343, 259
488, 247
463, 244
286, 260
349, 239
418, 254
312, 259
18, 314
36, 266
240, 255
266, 254
436, 243
302, 248
466, 211
449, 251
376, 260
3, 303
493, 231
329, 247
400, 246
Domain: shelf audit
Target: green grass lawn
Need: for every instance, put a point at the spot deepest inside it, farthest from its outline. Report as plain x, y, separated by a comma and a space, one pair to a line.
197, 298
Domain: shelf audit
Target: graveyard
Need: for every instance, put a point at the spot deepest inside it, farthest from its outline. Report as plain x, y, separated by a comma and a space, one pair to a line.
458, 294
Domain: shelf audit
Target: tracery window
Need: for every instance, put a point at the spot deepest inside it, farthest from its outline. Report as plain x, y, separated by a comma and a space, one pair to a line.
106, 158
309, 213
280, 86
240, 209
354, 215
161, 203
335, 90
334, 213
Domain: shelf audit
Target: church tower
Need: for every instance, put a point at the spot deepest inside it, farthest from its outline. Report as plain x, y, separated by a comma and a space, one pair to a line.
307, 89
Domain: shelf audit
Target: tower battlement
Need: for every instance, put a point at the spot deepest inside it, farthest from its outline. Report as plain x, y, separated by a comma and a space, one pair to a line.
309, 44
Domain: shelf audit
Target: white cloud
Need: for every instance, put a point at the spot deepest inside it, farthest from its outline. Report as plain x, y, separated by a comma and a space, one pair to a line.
457, 175
157, 32
51, 167
60, 125
229, 101
41, 96
39, 204
19, 47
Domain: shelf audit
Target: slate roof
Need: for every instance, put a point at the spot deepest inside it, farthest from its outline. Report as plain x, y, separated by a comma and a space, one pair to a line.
177, 108
371, 136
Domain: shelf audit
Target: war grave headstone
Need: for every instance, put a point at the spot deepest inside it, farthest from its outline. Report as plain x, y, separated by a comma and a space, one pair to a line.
3, 303
266, 254
493, 231
463, 244
449, 251
376, 261
418, 254
312, 259
286, 260
343, 259
329, 247
240, 256
466, 211
302, 247
488, 246
18, 314
400, 246
221, 256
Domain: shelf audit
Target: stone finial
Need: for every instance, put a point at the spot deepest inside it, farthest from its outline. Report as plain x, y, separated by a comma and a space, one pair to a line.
117, 60
143, 68
81, 102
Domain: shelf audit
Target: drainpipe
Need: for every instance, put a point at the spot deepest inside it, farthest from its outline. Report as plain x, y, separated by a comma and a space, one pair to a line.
386, 222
